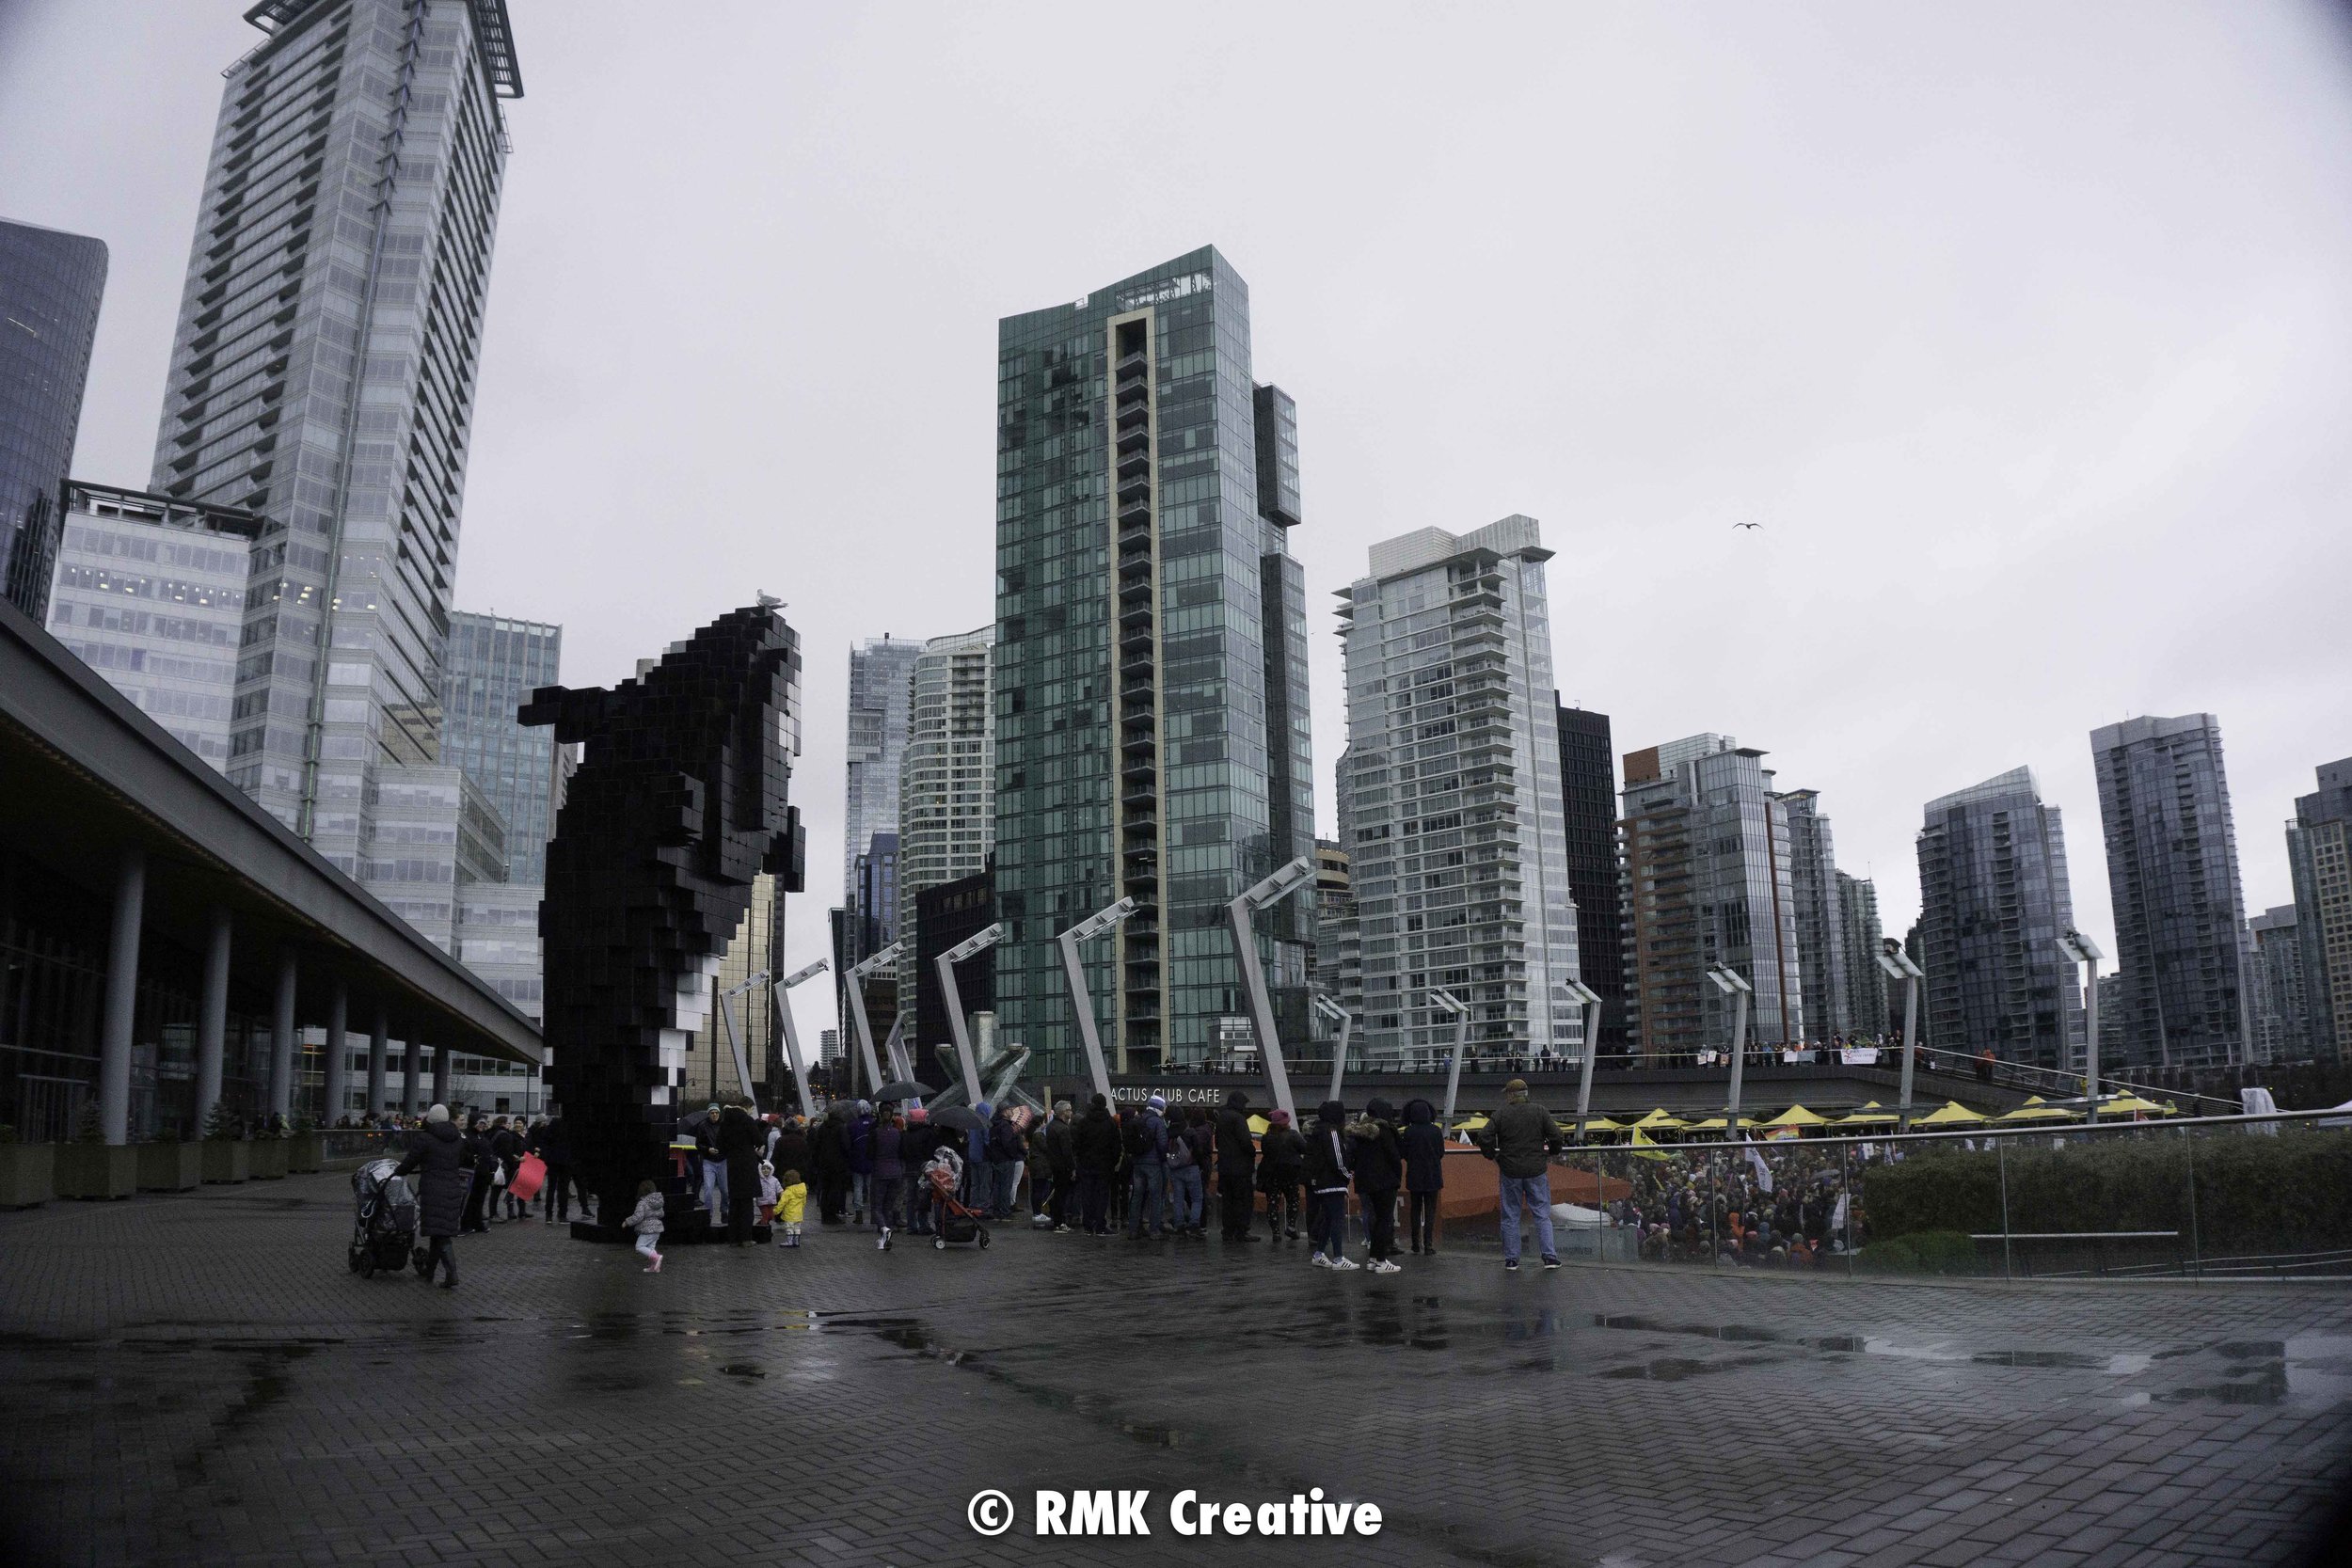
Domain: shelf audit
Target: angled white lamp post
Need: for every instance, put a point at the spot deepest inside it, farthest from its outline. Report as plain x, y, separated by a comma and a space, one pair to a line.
1081, 999
792, 1036
735, 1041
855, 981
1346, 1022
1281, 884
1589, 999
1452, 1004
978, 941
1899, 966
1733, 984
2084, 951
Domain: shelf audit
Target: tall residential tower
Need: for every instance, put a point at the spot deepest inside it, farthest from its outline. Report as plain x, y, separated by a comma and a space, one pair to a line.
323, 375
1459, 859
2180, 920
1993, 899
1151, 721
49, 288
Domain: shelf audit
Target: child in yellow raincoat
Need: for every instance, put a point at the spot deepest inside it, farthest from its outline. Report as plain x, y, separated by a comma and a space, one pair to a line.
791, 1203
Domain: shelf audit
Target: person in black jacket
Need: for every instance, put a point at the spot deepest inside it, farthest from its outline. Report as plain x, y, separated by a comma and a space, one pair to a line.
1062, 1164
829, 1146
1423, 1143
1094, 1146
1326, 1187
1236, 1167
506, 1145
442, 1185
1282, 1162
1378, 1162
555, 1147
474, 1155
741, 1141
917, 1141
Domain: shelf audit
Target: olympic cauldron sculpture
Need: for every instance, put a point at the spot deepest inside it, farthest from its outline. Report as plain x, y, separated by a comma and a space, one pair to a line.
679, 802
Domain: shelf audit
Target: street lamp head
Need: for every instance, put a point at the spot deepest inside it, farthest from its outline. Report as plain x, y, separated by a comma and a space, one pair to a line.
1581, 993
1448, 1001
808, 971
1283, 883
1729, 980
1329, 1009
2079, 947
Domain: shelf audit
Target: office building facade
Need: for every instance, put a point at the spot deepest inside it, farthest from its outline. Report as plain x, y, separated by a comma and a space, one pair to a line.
947, 778
2319, 855
1459, 858
946, 913
2173, 873
1152, 712
1588, 800
50, 285
1707, 882
151, 593
1865, 982
1993, 899
494, 663
1339, 944
879, 699
323, 375
1823, 958
757, 949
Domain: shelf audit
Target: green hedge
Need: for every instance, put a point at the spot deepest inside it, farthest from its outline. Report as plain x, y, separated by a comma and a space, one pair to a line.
2253, 1192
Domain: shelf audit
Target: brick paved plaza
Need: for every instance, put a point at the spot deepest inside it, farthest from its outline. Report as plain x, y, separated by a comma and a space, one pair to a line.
199, 1379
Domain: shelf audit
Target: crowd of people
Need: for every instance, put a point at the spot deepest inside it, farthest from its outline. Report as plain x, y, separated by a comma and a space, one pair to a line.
1779, 1205
466, 1168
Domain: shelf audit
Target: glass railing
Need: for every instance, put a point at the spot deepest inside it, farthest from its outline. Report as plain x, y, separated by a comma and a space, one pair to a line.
2249, 1196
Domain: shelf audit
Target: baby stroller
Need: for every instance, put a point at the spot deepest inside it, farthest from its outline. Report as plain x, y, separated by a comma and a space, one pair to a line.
957, 1224
384, 1218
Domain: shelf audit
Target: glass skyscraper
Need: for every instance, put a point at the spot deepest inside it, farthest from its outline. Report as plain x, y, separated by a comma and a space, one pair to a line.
877, 743
1152, 714
49, 288
323, 375
150, 593
493, 665
1588, 800
2180, 919
1865, 982
947, 785
2319, 853
1459, 858
1821, 956
1993, 898
1708, 882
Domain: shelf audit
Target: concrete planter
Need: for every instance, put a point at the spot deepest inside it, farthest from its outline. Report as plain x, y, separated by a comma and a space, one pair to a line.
170, 1167
97, 1170
28, 1174
267, 1158
305, 1152
227, 1160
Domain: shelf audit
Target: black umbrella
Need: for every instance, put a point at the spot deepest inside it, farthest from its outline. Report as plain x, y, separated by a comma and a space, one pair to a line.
962, 1119
905, 1088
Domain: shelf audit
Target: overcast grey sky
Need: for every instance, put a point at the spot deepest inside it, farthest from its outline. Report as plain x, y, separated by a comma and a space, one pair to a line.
2021, 328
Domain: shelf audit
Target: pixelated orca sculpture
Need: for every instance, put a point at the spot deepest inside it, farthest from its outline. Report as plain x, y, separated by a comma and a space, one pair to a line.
680, 800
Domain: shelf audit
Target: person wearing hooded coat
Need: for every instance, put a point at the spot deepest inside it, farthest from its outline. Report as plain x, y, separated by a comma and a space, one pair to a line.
1094, 1146
1326, 1184
741, 1142
1378, 1162
475, 1158
1281, 1164
1236, 1167
830, 1145
1423, 1143
441, 1189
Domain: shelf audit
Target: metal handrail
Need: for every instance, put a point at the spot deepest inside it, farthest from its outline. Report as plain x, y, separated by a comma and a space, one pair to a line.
2039, 1130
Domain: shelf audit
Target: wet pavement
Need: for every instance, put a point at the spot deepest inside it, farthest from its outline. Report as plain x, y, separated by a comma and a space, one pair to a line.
198, 1378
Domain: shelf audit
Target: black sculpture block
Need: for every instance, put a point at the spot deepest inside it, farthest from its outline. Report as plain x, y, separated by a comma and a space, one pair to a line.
680, 800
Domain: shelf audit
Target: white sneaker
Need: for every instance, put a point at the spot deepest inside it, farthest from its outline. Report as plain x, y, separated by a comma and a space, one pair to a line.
1320, 1262
1347, 1263
1387, 1265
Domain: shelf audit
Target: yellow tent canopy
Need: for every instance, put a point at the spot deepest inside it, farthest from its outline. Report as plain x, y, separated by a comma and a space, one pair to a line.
1953, 1113
2127, 1105
1797, 1116
1869, 1115
2034, 1109
1660, 1118
1472, 1125
1715, 1124
1602, 1124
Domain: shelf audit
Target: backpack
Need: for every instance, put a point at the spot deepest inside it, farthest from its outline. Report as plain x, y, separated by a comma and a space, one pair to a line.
1180, 1155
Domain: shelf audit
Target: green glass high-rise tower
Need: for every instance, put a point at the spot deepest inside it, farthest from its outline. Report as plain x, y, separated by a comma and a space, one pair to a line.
1151, 718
